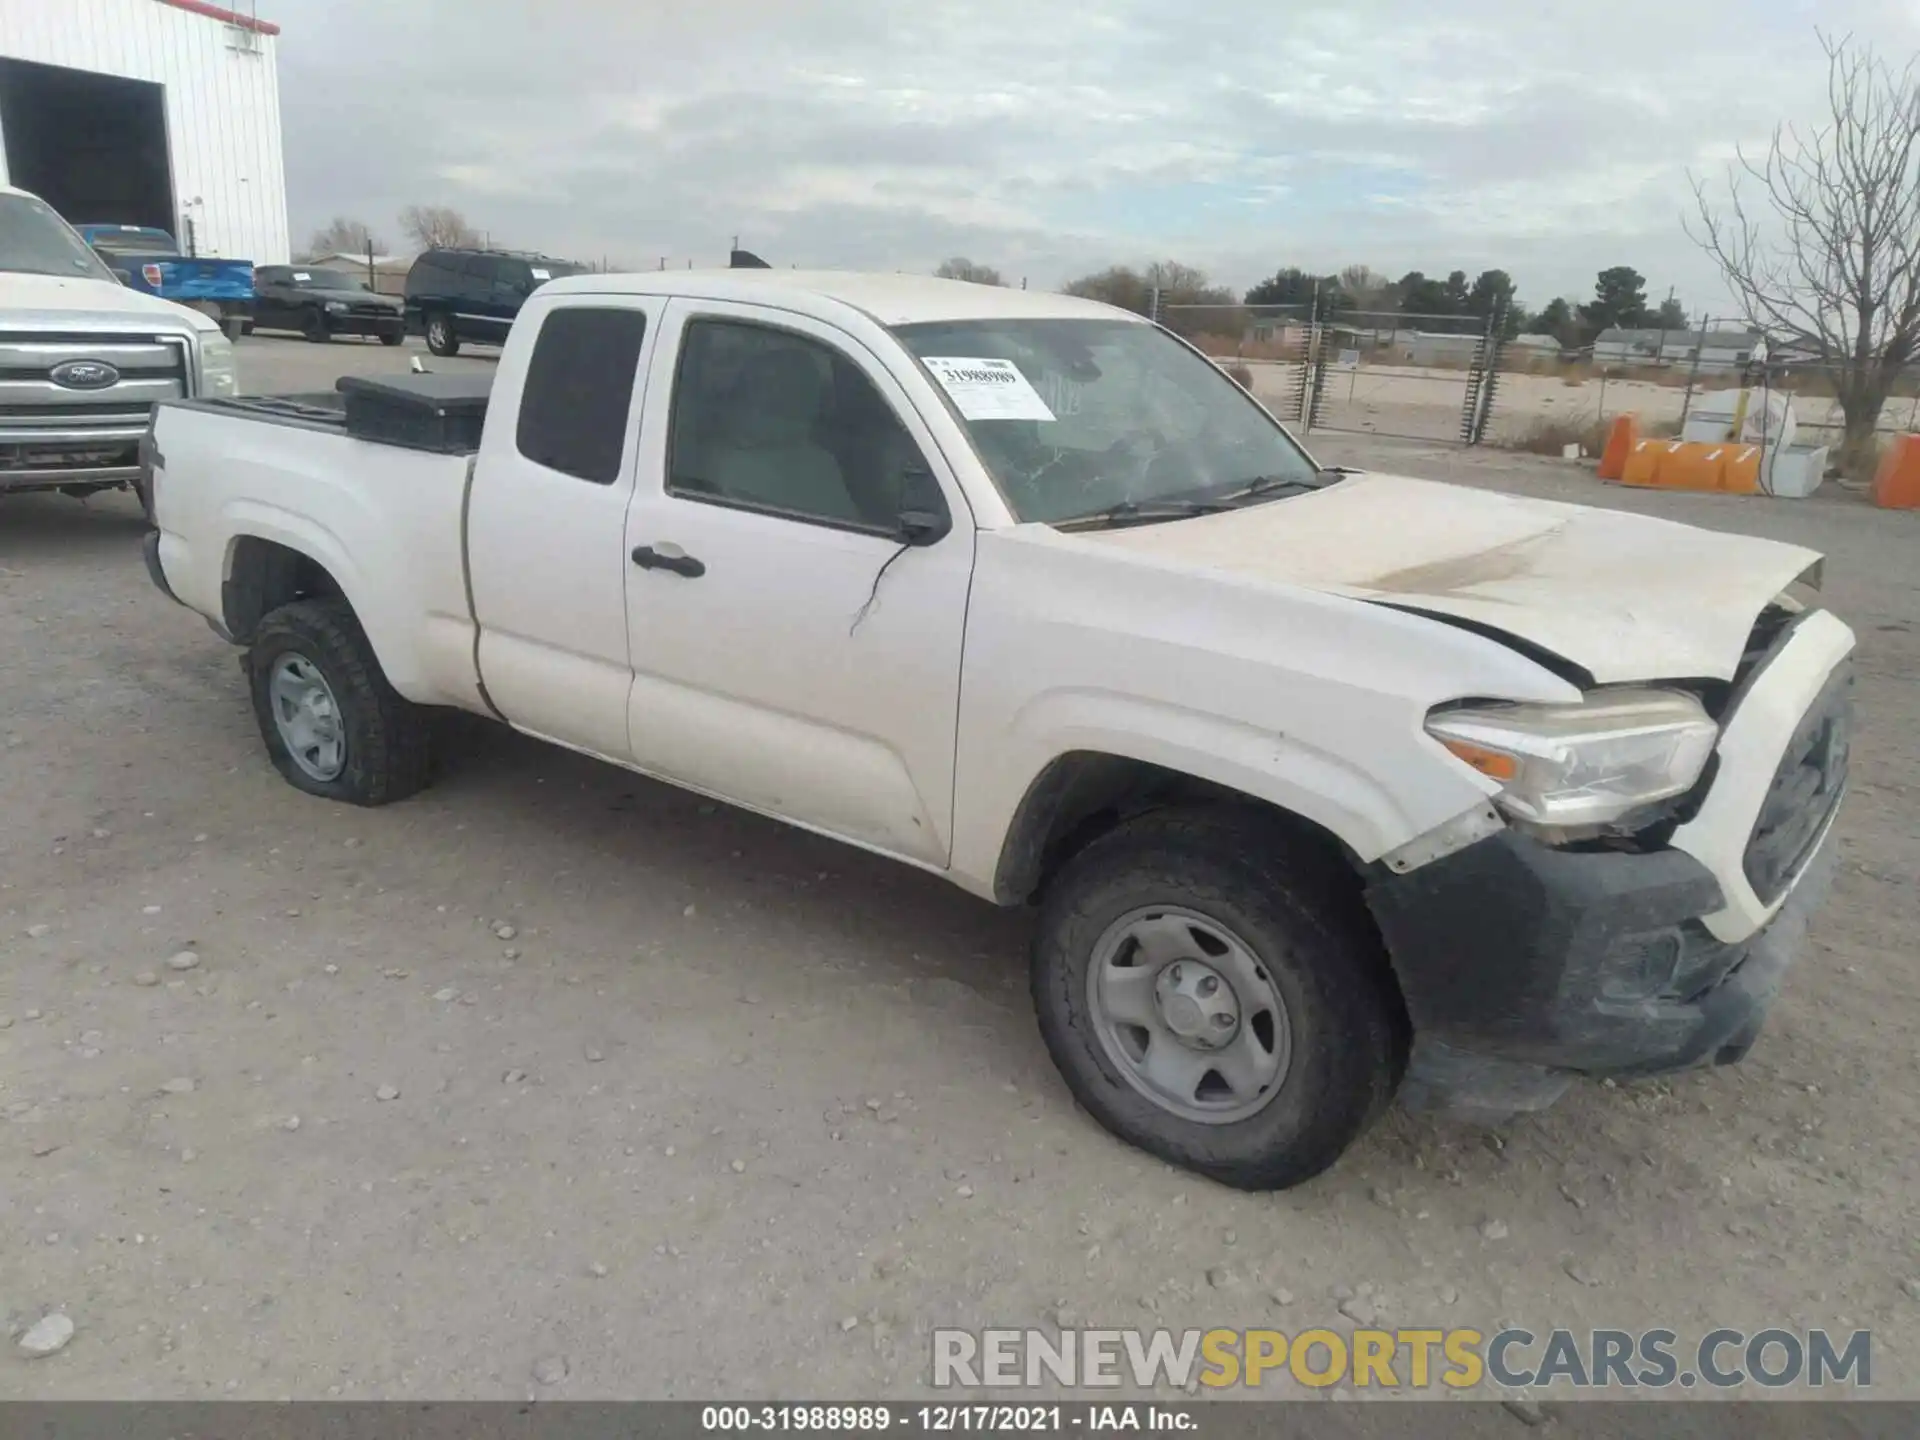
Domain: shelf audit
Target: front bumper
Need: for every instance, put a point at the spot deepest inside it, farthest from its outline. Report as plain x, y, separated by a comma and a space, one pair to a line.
386, 323
1524, 966
90, 475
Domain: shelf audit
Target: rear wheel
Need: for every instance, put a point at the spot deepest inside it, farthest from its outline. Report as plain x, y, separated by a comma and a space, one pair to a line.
440, 337
332, 724
1214, 993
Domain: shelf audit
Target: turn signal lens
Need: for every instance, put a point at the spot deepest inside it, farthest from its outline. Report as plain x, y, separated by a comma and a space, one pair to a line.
1490, 763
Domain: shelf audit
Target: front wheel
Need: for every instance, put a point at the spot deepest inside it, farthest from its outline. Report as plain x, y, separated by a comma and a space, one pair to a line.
391, 338
332, 724
316, 328
440, 337
1214, 993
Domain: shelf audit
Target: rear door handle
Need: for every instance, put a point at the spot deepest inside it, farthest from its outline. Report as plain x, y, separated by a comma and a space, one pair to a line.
648, 558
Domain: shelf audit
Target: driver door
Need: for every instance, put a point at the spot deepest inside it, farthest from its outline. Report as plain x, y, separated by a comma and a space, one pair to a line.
791, 653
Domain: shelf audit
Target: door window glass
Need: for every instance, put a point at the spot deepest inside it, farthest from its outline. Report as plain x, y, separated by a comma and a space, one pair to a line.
770, 420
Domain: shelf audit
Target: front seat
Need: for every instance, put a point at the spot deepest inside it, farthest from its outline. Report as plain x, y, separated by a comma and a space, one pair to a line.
767, 454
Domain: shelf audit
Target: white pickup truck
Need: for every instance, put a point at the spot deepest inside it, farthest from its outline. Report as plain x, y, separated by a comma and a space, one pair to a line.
1326, 785
83, 359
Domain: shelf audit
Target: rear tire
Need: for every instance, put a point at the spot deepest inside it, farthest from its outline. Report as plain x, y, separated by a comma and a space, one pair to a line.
441, 339
1334, 1024
383, 739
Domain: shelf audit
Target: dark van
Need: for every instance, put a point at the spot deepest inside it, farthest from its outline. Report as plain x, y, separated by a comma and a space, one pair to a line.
458, 296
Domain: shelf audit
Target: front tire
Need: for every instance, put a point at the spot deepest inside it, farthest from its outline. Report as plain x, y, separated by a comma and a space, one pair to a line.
391, 338
440, 337
1213, 992
332, 724
316, 329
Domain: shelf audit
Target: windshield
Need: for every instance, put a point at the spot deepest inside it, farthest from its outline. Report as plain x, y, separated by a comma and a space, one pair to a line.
36, 241
135, 242
1076, 417
325, 280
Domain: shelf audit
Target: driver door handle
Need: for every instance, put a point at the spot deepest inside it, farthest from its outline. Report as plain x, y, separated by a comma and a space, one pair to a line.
648, 558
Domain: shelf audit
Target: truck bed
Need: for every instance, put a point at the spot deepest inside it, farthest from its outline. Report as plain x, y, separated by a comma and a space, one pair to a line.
441, 414
385, 520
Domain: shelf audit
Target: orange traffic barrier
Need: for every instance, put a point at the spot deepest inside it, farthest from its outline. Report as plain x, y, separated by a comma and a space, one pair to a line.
1896, 484
1644, 461
1621, 439
1740, 475
1695, 466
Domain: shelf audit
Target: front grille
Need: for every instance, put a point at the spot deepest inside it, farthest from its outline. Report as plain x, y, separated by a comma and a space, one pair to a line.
1805, 789
35, 409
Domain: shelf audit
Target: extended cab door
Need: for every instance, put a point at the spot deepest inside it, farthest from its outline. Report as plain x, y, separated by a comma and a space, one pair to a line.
547, 517
790, 652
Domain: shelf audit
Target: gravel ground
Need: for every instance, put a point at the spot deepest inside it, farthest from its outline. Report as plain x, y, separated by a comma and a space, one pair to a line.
558, 1081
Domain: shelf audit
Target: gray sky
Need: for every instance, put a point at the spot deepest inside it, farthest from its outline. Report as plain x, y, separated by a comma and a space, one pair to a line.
1549, 137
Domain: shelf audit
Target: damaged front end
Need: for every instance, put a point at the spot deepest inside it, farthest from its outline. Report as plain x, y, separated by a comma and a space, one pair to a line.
1637, 910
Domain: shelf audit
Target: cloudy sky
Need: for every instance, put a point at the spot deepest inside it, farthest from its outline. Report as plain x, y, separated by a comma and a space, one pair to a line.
1549, 137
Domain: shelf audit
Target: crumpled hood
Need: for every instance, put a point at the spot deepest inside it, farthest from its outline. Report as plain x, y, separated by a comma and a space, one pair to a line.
80, 303
1622, 596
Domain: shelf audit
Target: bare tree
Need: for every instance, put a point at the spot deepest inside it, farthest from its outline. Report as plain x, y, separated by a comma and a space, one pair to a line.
1367, 288
961, 268
345, 236
1132, 289
1834, 269
434, 227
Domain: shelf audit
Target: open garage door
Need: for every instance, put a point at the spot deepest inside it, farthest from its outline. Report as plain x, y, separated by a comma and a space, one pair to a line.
94, 147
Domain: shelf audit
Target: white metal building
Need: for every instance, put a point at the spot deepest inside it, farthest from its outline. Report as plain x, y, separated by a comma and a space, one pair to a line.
148, 112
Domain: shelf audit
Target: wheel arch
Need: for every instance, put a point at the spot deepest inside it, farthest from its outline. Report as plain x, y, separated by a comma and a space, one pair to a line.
264, 572
262, 575
1080, 795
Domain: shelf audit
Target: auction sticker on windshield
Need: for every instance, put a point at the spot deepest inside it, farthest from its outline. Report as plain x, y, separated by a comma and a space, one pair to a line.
984, 389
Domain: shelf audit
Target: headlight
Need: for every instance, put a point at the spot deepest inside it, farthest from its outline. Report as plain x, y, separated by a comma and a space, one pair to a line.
336, 307
217, 375
1583, 764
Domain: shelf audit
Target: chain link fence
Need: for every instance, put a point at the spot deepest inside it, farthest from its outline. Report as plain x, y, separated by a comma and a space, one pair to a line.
1662, 375
1415, 377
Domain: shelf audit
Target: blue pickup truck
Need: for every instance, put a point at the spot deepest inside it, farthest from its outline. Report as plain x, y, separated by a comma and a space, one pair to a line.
150, 261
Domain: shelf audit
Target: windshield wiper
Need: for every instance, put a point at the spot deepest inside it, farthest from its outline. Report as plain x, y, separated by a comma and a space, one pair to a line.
1141, 512
1262, 485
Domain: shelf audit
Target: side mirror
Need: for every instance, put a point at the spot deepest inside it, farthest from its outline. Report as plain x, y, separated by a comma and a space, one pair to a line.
923, 509
923, 527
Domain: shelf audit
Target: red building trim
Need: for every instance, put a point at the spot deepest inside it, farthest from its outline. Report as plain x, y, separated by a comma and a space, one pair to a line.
215, 12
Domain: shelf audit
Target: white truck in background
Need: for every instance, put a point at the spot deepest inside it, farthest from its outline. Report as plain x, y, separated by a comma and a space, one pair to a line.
1326, 785
83, 359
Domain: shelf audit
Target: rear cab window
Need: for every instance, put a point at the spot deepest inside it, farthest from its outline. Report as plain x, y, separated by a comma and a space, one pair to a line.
578, 393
